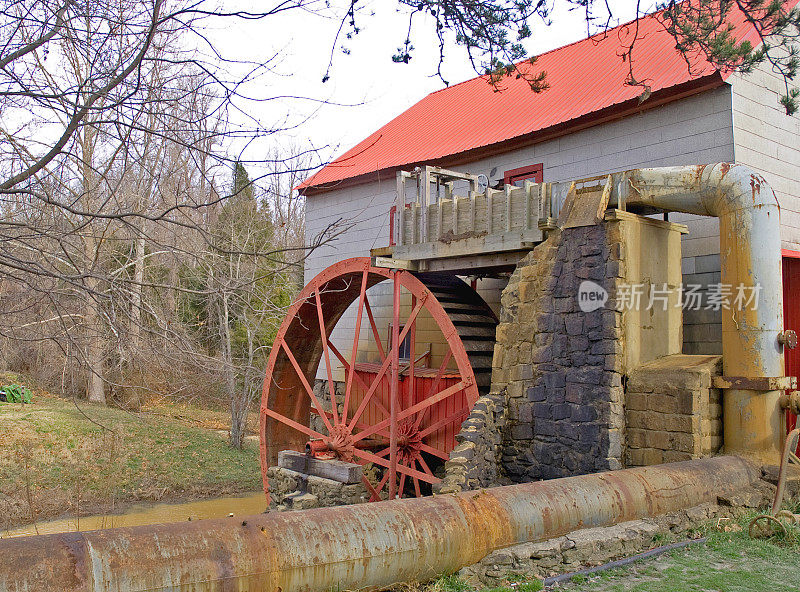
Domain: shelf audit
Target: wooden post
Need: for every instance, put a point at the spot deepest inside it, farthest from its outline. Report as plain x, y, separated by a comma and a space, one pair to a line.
508, 207
425, 195
489, 203
393, 386
400, 205
529, 187
472, 200
414, 214
439, 216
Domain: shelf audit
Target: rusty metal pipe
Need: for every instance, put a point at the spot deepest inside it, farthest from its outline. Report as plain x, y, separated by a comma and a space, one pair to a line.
750, 255
356, 547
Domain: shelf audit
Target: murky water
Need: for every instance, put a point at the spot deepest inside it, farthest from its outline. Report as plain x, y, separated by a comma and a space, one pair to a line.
244, 505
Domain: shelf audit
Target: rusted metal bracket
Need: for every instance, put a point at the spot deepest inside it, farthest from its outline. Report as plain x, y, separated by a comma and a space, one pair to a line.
758, 383
790, 401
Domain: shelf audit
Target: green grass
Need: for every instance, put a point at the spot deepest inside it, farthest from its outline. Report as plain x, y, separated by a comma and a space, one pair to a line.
56, 459
728, 562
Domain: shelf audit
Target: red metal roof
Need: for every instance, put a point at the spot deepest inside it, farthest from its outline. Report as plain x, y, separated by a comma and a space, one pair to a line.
585, 78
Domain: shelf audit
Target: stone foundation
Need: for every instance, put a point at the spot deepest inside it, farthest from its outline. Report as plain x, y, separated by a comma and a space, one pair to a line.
672, 411
290, 490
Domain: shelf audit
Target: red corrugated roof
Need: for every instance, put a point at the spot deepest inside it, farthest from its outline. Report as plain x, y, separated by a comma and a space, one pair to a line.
585, 78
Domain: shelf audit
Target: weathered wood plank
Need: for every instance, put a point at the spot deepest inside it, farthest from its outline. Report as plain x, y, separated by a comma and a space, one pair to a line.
492, 243
335, 470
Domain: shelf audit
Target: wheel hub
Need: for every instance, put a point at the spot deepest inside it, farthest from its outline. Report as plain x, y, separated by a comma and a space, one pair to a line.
409, 442
338, 444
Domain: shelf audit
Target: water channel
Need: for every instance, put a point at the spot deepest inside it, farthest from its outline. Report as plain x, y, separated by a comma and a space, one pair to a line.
242, 505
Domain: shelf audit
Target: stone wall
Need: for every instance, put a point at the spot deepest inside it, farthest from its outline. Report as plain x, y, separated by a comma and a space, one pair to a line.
290, 490
560, 367
323, 394
672, 411
474, 462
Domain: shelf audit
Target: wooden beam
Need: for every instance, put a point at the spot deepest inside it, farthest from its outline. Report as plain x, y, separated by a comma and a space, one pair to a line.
335, 470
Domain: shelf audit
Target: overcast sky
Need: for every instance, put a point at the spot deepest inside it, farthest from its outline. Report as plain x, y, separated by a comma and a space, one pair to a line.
366, 89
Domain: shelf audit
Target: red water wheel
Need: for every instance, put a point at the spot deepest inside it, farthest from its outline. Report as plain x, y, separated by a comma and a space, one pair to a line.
397, 414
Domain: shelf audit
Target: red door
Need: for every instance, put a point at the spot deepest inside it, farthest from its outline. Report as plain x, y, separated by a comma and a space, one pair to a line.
791, 317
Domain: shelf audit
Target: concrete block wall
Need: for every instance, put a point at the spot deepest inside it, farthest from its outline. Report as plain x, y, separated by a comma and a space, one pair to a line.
702, 328
766, 139
672, 411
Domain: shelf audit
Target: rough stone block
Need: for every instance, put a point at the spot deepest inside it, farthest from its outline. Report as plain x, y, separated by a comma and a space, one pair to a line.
638, 457
561, 411
301, 501
584, 413
636, 401
574, 323
522, 432
636, 437
676, 456
537, 393
658, 439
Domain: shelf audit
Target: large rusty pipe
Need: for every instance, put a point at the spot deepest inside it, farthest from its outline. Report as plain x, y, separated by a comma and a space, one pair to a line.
356, 547
750, 256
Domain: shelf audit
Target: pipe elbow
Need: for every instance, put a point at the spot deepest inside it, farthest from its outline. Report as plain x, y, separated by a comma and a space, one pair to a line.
706, 190
726, 188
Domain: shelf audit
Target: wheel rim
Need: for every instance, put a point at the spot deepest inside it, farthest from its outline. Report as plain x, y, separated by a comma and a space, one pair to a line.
395, 435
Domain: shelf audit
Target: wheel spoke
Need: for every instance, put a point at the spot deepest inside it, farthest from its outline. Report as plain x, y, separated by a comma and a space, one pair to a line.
440, 396
434, 451
382, 484
360, 314
329, 416
375, 332
402, 484
373, 493
368, 456
291, 423
424, 466
412, 338
416, 486
370, 391
360, 380
324, 336
434, 384
307, 386
435, 427
394, 385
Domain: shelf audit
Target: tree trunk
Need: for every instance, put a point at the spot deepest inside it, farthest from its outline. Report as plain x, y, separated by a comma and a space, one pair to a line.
95, 355
228, 368
240, 404
136, 297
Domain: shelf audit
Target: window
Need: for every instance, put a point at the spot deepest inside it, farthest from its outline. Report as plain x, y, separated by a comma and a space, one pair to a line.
405, 345
518, 176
